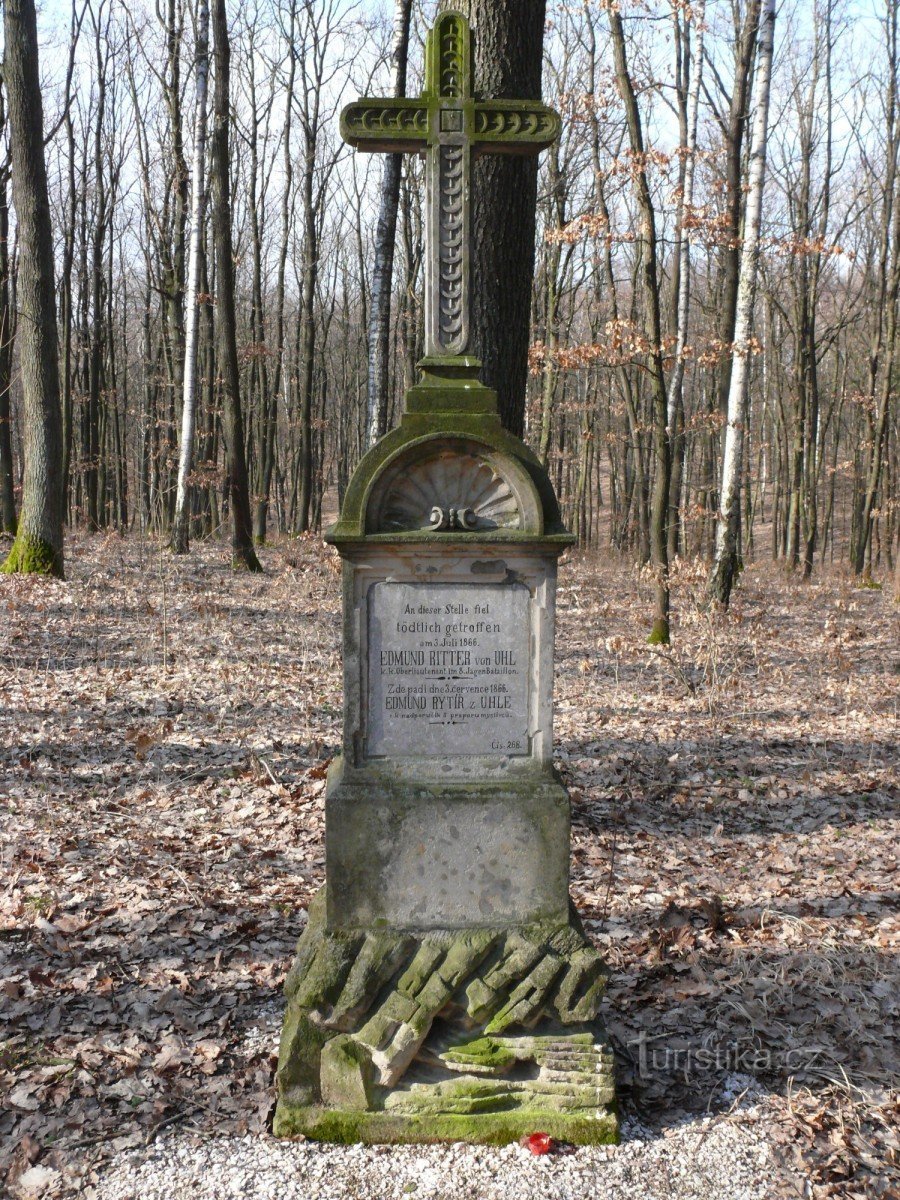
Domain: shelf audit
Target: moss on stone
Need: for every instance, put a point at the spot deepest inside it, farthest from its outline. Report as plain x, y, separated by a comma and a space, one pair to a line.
491, 1129
346, 1076
382, 953
33, 556
299, 1058
465, 1101
420, 970
483, 1052
578, 993
440, 409
319, 975
362, 1008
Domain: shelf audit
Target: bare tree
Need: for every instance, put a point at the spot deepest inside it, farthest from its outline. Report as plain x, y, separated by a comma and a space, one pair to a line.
688, 114
243, 554
38, 547
659, 504
882, 355
385, 239
270, 400
7, 334
820, 457
725, 567
315, 110
181, 521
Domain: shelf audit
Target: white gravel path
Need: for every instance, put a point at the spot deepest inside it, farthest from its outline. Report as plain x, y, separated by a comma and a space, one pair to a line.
710, 1159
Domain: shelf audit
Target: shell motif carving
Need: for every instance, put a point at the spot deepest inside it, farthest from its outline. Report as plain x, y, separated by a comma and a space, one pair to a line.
453, 492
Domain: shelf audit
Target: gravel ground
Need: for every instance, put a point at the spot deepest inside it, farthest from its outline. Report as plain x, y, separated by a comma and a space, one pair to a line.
719, 1158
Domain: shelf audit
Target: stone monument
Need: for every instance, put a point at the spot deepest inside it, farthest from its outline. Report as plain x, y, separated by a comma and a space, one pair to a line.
443, 988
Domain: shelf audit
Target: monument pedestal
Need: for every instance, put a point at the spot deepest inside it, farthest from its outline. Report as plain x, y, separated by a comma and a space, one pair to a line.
445, 854
477, 1035
442, 989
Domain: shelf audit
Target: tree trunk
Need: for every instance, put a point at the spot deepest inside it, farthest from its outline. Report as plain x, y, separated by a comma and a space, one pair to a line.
509, 40
174, 252
659, 503
181, 522
267, 444
243, 554
734, 127
7, 334
38, 547
307, 336
725, 567
683, 254
96, 398
68, 262
385, 239
556, 217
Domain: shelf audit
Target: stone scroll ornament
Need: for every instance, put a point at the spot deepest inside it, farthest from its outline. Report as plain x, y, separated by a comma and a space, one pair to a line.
450, 126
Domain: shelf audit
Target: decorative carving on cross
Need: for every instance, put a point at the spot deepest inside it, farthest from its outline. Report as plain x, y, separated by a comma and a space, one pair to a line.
450, 126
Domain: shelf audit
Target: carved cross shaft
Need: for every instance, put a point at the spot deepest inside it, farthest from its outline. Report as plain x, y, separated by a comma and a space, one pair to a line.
449, 125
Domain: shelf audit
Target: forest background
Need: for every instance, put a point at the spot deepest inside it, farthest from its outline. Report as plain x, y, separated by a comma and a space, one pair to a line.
819, 461
733, 796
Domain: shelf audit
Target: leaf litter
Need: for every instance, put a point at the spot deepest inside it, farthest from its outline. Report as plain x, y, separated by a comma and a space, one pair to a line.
166, 729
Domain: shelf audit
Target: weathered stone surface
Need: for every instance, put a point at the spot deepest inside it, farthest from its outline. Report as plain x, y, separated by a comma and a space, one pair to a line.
448, 668
345, 1073
445, 990
448, 125
388, 651
416, 1062
446, 856
449, 488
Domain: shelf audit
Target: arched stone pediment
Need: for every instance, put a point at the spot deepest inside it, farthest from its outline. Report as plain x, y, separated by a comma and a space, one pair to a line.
453, 485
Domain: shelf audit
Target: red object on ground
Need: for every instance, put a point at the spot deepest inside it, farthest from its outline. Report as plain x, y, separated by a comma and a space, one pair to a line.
538, 1143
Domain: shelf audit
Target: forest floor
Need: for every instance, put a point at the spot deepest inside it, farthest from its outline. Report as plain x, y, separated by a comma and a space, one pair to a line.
165, 728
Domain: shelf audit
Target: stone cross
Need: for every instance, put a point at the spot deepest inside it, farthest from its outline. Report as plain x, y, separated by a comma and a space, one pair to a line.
450, 126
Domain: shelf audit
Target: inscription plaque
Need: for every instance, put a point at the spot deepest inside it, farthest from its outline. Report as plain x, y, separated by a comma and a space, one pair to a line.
448, 669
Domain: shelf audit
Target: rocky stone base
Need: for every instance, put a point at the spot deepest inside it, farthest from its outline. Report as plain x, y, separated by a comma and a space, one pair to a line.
474, 1035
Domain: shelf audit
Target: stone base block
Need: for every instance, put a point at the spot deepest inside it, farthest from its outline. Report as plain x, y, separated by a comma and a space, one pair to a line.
445, 854
492, 1129
478, 1035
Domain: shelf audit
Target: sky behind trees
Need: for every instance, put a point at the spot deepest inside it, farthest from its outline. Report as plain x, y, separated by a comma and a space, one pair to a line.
828, 208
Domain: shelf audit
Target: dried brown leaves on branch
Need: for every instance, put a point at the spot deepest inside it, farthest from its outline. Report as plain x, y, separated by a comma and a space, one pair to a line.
166, 726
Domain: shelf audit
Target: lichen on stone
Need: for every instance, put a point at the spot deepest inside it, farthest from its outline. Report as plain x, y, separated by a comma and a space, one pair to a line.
475, 1034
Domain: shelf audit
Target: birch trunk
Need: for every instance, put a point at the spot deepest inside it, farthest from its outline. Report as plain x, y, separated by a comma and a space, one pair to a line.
38, 548
725, 566
181, 522
385, 240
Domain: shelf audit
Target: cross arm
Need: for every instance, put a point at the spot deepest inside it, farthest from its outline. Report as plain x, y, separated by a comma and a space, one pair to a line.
392, 125
523, 127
